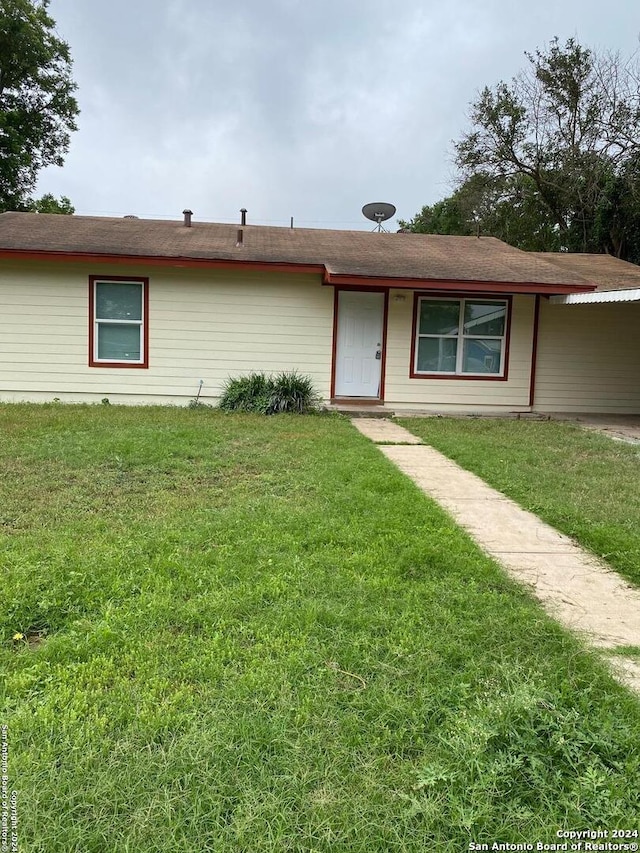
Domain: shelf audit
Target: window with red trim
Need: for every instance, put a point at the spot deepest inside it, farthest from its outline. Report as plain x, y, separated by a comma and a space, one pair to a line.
460, 337
119, 323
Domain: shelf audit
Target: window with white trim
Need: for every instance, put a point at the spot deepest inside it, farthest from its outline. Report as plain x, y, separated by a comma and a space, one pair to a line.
118, 321
460, 337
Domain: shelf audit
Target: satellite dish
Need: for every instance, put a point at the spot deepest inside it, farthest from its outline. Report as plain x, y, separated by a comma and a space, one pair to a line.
379, 212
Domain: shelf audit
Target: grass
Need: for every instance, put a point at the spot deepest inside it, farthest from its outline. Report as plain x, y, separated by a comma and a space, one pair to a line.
625, 651
254, 634
582, 483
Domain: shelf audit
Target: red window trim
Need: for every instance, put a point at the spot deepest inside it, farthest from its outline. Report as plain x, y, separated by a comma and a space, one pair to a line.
144, 364
508, 298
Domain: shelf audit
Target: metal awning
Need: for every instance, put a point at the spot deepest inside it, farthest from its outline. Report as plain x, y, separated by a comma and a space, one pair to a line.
627, 295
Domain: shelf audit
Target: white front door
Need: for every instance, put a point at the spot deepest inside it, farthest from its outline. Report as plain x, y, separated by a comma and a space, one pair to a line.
359, 344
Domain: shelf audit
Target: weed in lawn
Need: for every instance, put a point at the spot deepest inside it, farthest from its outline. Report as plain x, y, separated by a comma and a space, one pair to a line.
625, 651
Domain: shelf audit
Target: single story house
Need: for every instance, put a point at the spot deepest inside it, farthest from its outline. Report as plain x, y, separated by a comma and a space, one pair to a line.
146, 311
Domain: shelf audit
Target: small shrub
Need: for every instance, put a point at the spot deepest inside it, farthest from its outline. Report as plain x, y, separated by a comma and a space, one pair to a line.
247, 394
292, 393
268, 395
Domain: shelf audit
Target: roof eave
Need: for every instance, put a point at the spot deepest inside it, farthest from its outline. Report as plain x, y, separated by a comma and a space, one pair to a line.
159, 260
488, 286
329, 278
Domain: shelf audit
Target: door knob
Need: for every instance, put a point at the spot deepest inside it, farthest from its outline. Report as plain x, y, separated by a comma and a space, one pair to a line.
378, 354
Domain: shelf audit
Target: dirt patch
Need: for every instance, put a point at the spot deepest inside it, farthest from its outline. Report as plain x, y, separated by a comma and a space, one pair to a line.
619, 427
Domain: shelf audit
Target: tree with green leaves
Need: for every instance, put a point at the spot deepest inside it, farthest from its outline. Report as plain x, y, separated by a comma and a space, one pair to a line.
37, 107
513, 211
552, 160
48, 203
508, 209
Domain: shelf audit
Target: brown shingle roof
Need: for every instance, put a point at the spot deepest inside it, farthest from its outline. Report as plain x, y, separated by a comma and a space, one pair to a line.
607, 272
424, 257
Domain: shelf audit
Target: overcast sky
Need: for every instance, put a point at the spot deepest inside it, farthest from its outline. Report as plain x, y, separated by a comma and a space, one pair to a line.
303, 108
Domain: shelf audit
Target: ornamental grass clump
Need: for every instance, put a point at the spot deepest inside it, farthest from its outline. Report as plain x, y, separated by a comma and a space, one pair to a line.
292, 393
269, 395
247, 394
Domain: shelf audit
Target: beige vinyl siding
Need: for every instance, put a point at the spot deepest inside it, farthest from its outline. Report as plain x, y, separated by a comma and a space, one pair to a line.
588, 358
212, 324
451, 395
205, 325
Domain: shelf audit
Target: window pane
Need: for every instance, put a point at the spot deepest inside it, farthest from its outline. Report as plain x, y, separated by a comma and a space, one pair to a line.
439, 317
118, 343
118, 301
481, 356
484, 318
437, 354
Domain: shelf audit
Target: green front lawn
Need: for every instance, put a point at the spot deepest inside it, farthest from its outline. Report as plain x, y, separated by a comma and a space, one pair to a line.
582, 483
255, 634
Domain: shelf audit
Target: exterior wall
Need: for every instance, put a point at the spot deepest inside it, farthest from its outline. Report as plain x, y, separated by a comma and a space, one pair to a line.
203, 325
588, 358
211, 324
458, 395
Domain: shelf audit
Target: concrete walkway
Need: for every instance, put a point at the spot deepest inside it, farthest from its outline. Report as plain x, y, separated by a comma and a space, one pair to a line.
575, 588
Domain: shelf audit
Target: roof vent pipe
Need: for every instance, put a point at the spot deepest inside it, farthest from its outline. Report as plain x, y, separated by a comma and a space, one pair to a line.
187, 217
243, 216
240, 240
